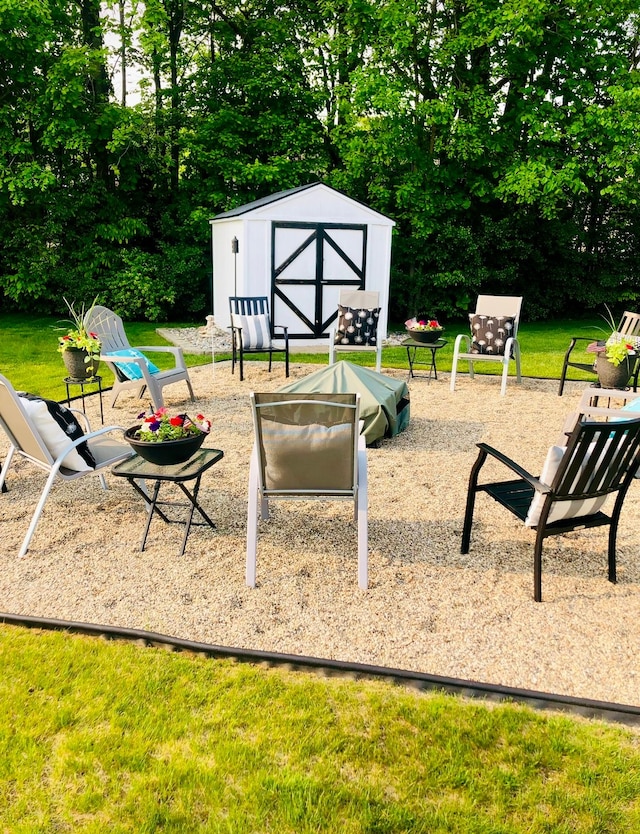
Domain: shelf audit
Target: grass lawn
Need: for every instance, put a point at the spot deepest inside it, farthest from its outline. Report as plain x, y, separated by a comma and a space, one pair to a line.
29, 357
111, 737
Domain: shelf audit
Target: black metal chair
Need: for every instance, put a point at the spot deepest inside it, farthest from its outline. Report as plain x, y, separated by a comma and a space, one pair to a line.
600, 459
629, 326
253, 332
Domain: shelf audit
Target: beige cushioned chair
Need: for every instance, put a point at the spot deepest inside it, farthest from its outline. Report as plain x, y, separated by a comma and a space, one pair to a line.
307, 447
364, 335
494, 325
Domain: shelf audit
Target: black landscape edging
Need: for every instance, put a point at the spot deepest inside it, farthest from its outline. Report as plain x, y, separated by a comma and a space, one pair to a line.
586, 707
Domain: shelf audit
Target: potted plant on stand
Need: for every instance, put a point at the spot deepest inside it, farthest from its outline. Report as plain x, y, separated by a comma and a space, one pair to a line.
80, 349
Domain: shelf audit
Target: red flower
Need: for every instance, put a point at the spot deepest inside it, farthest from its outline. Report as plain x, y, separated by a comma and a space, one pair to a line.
177, 421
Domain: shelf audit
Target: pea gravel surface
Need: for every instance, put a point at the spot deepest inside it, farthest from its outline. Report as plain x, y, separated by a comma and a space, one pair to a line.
428, 608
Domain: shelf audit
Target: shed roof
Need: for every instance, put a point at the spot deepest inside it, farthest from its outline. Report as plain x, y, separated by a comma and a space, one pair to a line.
280, 195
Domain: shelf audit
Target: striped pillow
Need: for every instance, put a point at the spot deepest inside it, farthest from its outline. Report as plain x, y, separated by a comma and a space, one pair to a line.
256, 334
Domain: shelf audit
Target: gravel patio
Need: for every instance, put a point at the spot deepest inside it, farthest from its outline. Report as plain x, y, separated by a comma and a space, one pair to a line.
428, 608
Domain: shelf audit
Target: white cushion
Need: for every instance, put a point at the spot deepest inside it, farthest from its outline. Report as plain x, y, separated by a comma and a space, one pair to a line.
560, 509
256, 334
57, 427
130, 369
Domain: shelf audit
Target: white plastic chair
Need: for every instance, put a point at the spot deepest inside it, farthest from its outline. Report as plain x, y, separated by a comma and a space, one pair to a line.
492, 306
26, 441
110, 330
357, 300
307, 448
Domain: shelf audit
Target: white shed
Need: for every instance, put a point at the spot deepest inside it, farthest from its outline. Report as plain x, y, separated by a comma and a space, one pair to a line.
300, 248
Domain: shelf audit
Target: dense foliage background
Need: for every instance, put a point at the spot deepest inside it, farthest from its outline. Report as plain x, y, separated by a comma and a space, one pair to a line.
501, 135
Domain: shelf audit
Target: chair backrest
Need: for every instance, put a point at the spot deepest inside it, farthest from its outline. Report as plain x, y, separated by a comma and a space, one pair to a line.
255, 305
630, 326
369, 299
598, 460
16, 423
109, 328
500, 305
307, 445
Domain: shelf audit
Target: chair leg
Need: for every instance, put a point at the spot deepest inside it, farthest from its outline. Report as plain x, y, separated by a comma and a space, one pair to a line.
252, 522
37, 513
471, 501
505, 376
454, 368
363, 530
286, 359
5, 468
241, 362
565, 367
537, 564
613, 534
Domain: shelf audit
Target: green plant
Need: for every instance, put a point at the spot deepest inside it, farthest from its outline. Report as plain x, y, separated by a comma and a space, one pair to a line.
77, 336
616, 348
159, 426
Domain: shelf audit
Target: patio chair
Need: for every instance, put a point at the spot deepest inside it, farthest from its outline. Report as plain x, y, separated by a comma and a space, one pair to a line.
131, 368
629, 327
357, 325
50, 436
494, 337
599, 459
602, 404
253, 332
307, 448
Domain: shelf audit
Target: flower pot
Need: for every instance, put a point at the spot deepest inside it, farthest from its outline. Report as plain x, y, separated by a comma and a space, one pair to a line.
166, 452
614, 376
77, 367
427, 336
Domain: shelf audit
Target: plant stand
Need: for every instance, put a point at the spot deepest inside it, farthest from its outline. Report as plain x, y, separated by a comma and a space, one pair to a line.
96, 380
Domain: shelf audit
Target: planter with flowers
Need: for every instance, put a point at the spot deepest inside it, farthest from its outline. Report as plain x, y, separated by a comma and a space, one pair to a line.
80, 348
615, 361
424, 329
166, 440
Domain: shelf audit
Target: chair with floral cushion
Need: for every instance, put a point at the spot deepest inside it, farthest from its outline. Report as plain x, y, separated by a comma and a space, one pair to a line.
494, 337
253, 332
131, 368
357, 325
598, 460
50, 436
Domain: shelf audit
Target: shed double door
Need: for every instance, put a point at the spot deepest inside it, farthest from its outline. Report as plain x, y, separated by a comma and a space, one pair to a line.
310, 264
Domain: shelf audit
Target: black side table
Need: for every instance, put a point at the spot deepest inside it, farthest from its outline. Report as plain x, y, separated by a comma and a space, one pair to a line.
412, 348
94, 380
138, 469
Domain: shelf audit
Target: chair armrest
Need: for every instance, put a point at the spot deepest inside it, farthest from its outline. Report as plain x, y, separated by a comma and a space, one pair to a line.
81, 417
536, 483
85, 437
177, 352
460, 338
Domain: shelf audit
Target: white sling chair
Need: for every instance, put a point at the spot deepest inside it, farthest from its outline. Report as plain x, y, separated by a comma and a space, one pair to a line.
495, 327
132, 370
341, 339
34, 435
307, 447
